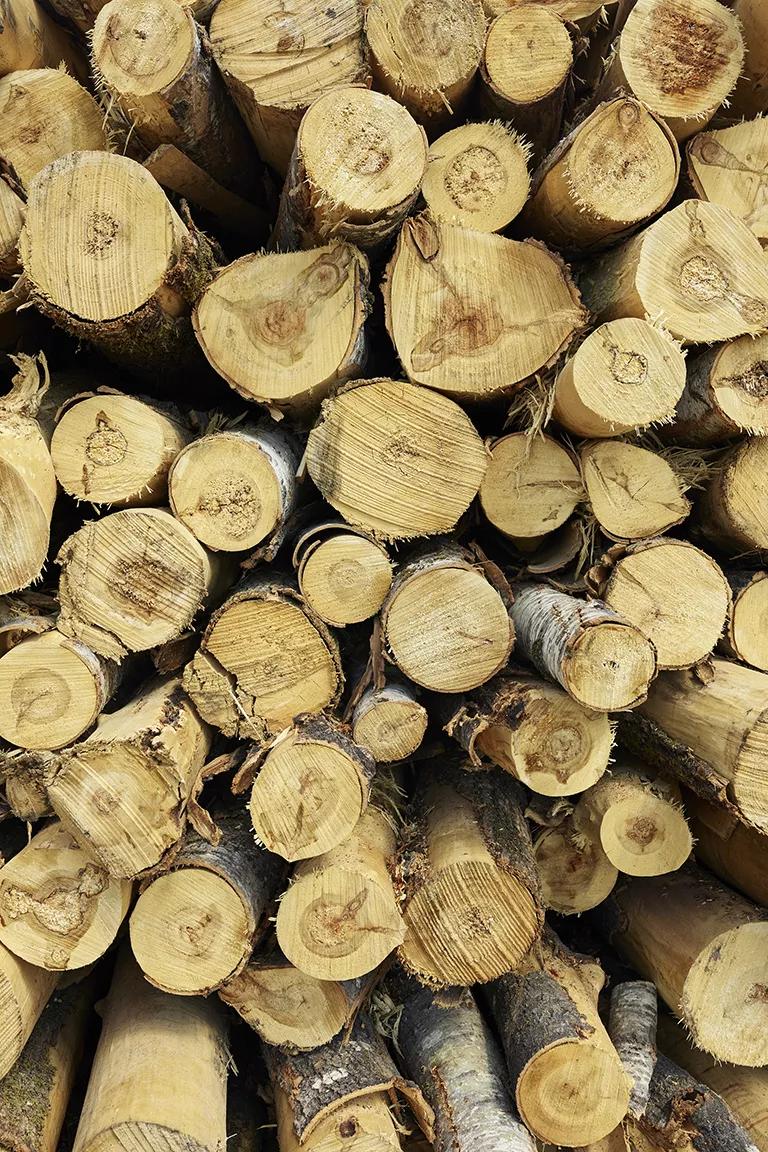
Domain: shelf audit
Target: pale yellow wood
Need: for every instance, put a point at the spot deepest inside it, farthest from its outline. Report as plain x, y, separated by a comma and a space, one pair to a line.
747, 630
364, 1125
574, 871
345, 577
633, 493
24, 992
726, 393
390, 722
477, 176
729, 166
573, 11
733, 510
29, 38
735, 853
531, 487
12, 211
750, 96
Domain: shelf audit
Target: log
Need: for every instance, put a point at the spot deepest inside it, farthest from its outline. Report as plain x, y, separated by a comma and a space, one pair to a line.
633, 493
195, 925
235, 216
557, 1048
182, 1102
275, 65
123, 791
524, 74
339, 919
477, 176
737, 854
235, 489
283, 328
574, 871
474, 314
725, 167
130, 298
29, 38
264, 658
581, 13
24, 992
355, 172
627, 374
632, 1028
80, 13
12, 212
312, 786
745, 637
445, 626
390, 722
344, 574
59, 908
711, 975
26, 776
44, 114
726, 394
732, 509
367, 1122
749, 98
467, 879
109, 448
396, 460
602, 660
531, 487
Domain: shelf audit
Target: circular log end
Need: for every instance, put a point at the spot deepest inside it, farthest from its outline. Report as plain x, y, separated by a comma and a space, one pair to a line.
610, 666
645, 835
531, 486
574, 877
345, 579
477, 176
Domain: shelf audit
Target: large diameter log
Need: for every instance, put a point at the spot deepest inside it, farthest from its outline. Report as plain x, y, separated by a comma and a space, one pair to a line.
724, 168
625, 375
283, 328
59, 907
275, 66
181, 1103
355, 173
29, 38
726, 394
746, 635
24, 992
453, 333
123, 791
264, 659
602, 660
698, 270
344, 575
125, 269
339, 919
750, 96
633, 493
397, 460
12, 212
557, 1048
468, 878
733, 510
734, 852
574, 871
477, 176
390, 722
531, 486
712, 974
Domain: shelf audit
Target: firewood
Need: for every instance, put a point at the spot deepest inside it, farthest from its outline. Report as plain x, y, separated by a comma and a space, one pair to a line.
531, 487
581, 13
733, 851
123, 791
574, 871
474, 314
275, 66
732, 509
725, 395
627, 374
29, 38
477, 176
366, 1122
264, 659
632, 1028
282, 329
114, 449
80, 13
129, 297
12, 211
468, 879
750, 96
557, 1048
723, 168
602, 660
390, 722
59, 908
711, 974
344, 574
232, 213
26, 777
339, 919
524, 74
235, 488
745, 638
24, 992
397, 460
362, 187
633, 493
160, 1071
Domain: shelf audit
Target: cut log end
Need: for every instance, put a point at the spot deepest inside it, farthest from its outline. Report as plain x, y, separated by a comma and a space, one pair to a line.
747, 633
610, 667
345, 578
645, 835
633, 493
556, 1093
531, 486
477, 176
574, 877
140, 47
390, 722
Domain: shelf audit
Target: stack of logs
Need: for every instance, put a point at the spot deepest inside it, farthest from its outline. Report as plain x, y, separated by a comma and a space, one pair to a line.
383, 513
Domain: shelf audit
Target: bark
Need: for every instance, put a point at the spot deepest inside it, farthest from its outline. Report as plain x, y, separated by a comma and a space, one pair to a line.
632, 1028
725, 395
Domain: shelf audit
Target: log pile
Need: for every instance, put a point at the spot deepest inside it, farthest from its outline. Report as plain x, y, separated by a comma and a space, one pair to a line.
383, 575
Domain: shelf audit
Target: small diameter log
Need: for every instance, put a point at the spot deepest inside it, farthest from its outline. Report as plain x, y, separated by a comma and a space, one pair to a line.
123, 791
235, 489
750, 96
344, 574
365, 1123
477, 176
26, 776
44, 114
474, 314
159, 1077
746, 632
733, 510
195, 925
426, 54
602, 660
396, 460
557, 1048
339, 919
633, 492
524, 74
355, 173
113, 449
531, 487
574, 871
59, 908
237, 217
698, 270
12, 211
125, 269
29, 38
614, 172
632, 1028
282, 329
264, 659
390, 722
726, 167
638, 817
734, 852
726, 394
682, 58
468, 880
79, 13
276, 64
149, 56
24, 992
625, 375
703, 946
683, 617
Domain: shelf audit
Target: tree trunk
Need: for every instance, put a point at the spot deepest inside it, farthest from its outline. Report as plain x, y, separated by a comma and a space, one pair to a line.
468, 880
24, 992
284, 328
474, 314
12, 212
632, 1028
745, 636
344, 574
29, 38
726, 394
390, 722
734, 852
733, 510
477, 176
531, 487
557, 1048
633, 493
721, 169
574, 871
603, 662
123, 791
